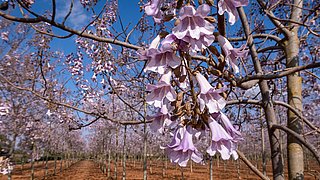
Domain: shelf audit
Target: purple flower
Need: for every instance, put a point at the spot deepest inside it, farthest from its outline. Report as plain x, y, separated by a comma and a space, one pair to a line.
193, 28
232, 54
222, 142
159, 14
192, 22
163, 90
160, 60
225, 122
209, 96
181, 148
231, 7
202, 43
5, 36
161, 120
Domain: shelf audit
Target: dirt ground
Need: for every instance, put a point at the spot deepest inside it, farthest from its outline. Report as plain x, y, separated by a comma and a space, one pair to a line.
88, 169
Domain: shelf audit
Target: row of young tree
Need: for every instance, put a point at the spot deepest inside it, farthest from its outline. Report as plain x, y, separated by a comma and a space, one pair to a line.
206, 82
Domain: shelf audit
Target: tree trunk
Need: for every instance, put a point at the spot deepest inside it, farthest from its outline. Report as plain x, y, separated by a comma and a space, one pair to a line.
32, 160
264, 166
55, 164
294, 84
270, 115
211, 169
124, 153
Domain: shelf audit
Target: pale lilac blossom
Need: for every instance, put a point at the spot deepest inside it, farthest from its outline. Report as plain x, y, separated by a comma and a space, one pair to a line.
181, 148
221, 141
230, 6
161, 92
209, 97
160, 10
232, 54
5, 36
193, 28
161, 120
159, 61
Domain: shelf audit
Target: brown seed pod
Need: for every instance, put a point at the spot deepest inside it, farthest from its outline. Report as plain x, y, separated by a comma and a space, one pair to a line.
210, 19
179, 4
214, 50
209, 2
215, 72
177, 22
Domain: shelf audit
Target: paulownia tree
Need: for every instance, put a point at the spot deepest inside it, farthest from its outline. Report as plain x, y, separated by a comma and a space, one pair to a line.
195, 65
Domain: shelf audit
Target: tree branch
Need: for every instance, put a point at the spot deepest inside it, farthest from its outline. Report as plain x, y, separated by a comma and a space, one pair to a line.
251, 166
300, 139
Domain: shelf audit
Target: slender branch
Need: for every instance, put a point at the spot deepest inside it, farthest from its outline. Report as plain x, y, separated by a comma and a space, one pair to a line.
18, 19
53, 10
273, 19
296, 112
300, 139
266, 36
133, 122
275, 75
251, 166
69, 12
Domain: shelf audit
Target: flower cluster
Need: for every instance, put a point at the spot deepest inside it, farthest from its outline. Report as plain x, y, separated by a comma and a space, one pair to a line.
178, 105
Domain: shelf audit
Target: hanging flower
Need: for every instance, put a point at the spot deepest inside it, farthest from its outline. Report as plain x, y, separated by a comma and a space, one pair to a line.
159, 10
161, 120
221, 141
160, 60
225, 122
162, 91
232, 54
192, 22
209, 96
181, 148
231, 7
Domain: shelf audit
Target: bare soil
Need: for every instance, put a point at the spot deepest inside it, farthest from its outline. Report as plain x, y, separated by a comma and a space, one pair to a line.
88, 169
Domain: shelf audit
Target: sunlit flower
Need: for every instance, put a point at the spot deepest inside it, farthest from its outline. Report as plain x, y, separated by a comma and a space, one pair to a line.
162, 91
221, 141
232, 54
181, 148
231, 7
225, 122
193, 28
209, 96
159, 60
161, 120
5, 36
159, 10
192, 22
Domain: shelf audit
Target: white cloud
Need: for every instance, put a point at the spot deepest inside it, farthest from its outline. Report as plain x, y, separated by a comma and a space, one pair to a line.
78, 17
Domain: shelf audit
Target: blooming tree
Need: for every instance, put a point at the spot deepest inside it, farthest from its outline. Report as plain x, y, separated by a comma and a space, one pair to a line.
194, 68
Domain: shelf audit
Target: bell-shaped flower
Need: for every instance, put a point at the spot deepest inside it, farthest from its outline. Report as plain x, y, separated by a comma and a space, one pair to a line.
181, 148
152, 8
160, 10
232, 54
161, 120
209, 96
202, 43
159, 60
221, 141
192, 22
231, 7
227, 125
163, 90
193, 28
